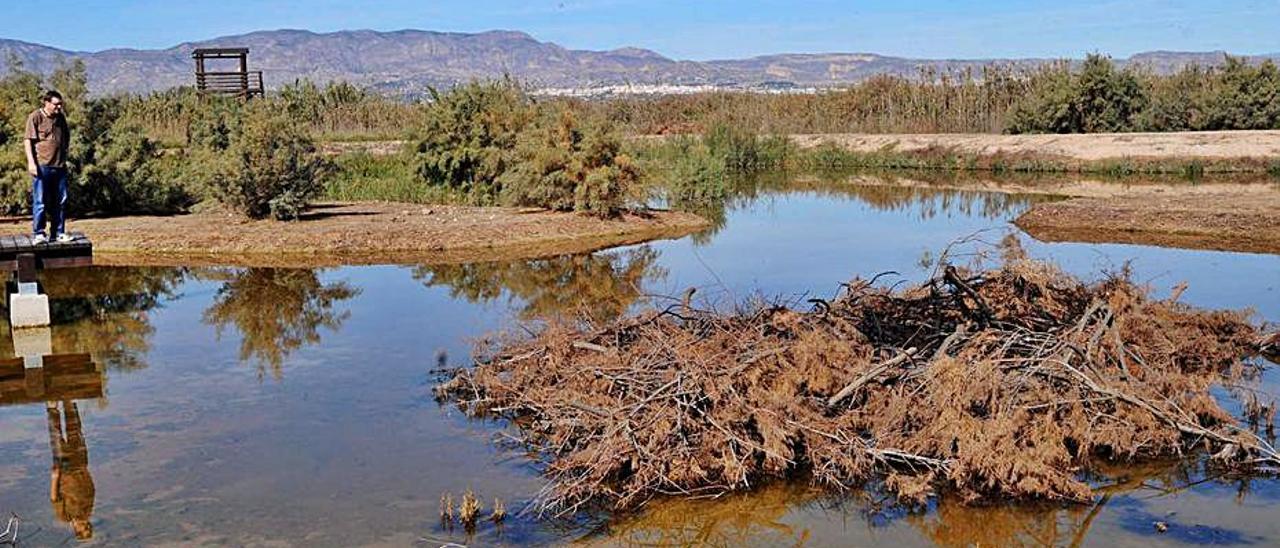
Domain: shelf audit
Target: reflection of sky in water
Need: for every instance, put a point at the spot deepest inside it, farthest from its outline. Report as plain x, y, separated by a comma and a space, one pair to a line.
795, 244
340, 442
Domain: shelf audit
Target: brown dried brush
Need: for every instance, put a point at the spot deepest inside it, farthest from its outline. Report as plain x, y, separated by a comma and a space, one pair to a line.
446, 508
469, 510
997, 384
499, 511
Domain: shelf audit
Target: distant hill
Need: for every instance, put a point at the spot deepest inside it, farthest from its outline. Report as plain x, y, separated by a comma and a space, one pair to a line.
406, 61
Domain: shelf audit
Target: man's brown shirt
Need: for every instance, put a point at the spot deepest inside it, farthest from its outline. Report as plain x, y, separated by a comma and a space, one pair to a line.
51, 136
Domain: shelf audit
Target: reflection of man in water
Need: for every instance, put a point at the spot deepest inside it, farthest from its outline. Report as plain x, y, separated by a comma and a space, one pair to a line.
70, 485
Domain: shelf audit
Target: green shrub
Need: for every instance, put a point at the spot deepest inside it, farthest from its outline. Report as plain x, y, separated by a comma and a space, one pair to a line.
742, 150
216, 124
114, 167
1245, 97
561, 164
19, 95
129, 175
1098, 98
360, 176
272, 166
1106, 100
1178, 102
468, 134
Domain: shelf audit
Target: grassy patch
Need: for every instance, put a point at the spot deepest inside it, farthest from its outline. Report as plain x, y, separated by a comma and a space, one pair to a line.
360, 176
950, 159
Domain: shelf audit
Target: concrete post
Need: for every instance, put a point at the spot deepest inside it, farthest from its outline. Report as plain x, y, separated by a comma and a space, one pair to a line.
27, 307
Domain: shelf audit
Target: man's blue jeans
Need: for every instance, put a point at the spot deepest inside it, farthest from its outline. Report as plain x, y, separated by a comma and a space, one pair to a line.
49, 200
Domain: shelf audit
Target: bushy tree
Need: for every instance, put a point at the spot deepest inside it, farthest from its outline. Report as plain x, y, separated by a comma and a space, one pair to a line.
216, 124
1048, 106
565, 165
128, 174
114, 167
19, 95
1178, 102
468, 134
1106, 100
1245, 97
1097, 98
270, 168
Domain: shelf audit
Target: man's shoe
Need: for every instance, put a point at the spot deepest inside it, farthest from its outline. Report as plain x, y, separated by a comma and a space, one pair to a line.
65, 238
39, 239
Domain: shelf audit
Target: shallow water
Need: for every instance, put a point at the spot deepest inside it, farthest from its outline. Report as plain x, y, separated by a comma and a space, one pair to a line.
261, 406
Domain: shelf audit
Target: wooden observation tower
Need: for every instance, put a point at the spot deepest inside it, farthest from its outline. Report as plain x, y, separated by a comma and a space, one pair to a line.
241, 83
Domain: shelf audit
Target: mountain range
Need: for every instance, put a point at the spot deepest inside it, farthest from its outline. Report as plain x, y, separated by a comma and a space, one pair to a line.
405, 62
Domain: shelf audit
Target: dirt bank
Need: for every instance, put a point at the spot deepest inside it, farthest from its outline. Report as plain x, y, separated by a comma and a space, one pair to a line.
1083, 147
365, 233
1229, 215
1086, 147
1241, 221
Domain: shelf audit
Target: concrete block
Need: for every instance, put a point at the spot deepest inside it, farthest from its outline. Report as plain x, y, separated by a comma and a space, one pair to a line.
28, 310
33, 342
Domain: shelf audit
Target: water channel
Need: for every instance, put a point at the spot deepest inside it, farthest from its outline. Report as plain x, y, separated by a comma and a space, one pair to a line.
252, 406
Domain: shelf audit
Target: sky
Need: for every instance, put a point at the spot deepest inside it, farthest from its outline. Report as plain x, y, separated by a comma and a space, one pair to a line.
691, 29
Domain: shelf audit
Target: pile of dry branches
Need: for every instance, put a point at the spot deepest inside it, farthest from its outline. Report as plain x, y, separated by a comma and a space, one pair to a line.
1007, 383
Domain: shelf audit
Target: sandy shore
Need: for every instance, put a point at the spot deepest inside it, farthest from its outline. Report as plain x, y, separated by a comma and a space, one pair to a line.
365, 233
1083, 147
1087, 147
1246, 221
1224, 216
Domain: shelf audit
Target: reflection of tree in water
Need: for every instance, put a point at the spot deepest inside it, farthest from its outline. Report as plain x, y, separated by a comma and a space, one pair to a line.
600, 285
880, 192
105, 311
953, 523
755, 518
740, 191
779, 514
276, 311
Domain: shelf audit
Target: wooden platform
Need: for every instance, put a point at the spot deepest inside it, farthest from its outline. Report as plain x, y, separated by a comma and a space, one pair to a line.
63, 377
76, 253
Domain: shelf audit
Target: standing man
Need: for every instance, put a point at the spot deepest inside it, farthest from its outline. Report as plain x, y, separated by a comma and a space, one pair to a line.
46, 146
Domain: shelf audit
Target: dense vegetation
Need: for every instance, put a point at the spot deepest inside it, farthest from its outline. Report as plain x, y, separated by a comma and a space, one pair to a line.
491, 143
1094, 96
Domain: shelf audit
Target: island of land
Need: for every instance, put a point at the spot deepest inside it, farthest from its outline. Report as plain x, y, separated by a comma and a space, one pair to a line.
335, 233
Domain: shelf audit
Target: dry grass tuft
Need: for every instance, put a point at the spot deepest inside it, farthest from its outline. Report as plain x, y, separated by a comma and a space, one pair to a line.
1002, 384
499, 511
446, 508
469, 510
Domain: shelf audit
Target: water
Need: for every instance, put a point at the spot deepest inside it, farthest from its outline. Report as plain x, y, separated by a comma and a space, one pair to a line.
293, 407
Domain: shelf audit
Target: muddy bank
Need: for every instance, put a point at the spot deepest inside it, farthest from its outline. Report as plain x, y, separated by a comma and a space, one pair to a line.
365, 233
1242, 221
1083, 147
1218, 214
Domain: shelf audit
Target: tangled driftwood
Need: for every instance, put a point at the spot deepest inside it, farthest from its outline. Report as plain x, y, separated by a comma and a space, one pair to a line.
1007, 383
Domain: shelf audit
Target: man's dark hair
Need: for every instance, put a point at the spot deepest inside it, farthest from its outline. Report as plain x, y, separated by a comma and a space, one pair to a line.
50, 95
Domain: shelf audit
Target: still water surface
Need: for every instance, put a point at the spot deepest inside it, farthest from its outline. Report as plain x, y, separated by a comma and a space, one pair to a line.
293, 407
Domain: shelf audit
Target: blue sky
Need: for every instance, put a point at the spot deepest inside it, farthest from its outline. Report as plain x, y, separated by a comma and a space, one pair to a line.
691, 29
